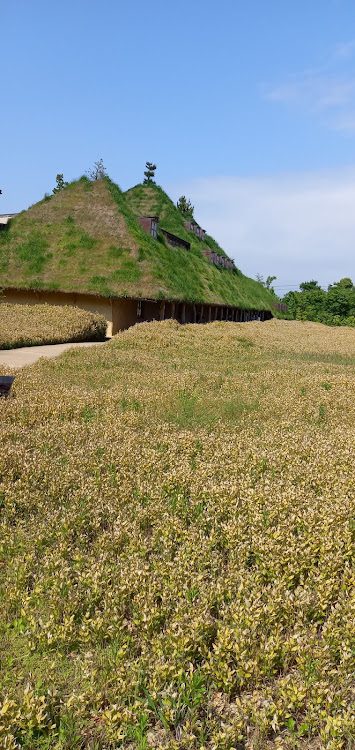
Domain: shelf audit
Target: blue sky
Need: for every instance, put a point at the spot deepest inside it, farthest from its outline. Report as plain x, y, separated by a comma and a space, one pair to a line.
248, 108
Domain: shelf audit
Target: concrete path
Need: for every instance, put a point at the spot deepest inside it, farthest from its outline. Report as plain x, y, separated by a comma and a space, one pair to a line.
30, 354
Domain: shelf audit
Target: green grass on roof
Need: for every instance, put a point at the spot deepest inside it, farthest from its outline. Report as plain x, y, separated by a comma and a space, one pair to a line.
150, 200
87, 239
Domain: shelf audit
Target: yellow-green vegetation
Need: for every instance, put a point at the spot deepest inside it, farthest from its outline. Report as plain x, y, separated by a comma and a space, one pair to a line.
177, 542
32, 325
86, 238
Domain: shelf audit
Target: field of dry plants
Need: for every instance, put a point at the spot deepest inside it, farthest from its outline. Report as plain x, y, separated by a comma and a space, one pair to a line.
177, 542
33, 325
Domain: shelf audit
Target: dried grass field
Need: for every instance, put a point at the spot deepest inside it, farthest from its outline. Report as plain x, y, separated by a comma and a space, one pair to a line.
177, 542
34, 325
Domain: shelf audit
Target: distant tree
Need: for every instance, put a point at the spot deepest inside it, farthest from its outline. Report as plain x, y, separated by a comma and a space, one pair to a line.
334, 307
267, 283
97, 171
343, 284
311, 302
185, 206
338, 301
307, 286
341, 297
149, 173
346, 283
290, 299
61, 184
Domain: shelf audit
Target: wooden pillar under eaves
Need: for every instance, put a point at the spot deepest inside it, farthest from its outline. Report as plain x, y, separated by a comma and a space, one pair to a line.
209, 313
194, 313
183, 314
201, 314
162, 310
173, 309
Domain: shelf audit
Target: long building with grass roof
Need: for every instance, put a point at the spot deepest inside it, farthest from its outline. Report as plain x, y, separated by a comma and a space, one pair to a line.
89, 245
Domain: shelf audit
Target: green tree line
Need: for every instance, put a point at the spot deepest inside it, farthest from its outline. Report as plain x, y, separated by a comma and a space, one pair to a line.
334, 307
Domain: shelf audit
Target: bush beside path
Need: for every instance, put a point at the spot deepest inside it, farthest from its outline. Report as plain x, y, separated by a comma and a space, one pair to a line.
35, 325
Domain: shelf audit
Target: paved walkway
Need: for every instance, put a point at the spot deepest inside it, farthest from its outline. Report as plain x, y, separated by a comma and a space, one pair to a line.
27, 355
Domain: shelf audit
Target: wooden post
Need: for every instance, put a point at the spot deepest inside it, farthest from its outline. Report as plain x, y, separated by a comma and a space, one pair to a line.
201, 314
194, 313
209, 313
162, 310
215, 313
173, 309
221, 316
183, 314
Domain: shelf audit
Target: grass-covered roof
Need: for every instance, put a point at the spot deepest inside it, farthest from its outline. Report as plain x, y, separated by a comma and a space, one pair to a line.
86, 238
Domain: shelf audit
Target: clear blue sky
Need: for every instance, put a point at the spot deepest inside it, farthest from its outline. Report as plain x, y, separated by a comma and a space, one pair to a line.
248, 106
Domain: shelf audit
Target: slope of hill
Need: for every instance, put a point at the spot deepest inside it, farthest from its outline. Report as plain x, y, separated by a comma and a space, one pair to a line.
87, 239
76, 240
151, 200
